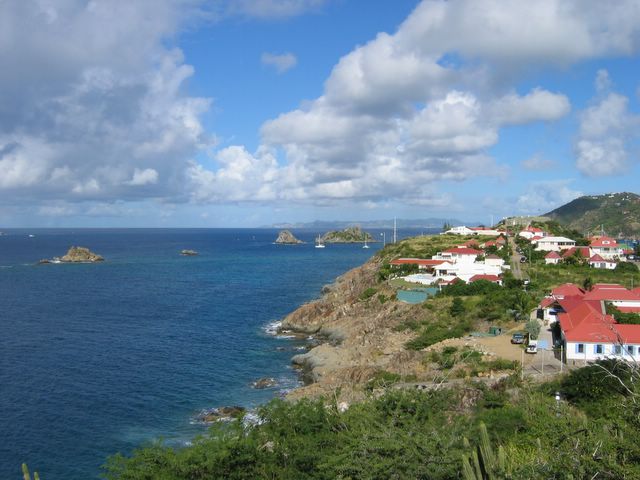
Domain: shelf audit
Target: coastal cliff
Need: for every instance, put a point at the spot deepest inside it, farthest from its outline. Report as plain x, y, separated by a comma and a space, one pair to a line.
360, 338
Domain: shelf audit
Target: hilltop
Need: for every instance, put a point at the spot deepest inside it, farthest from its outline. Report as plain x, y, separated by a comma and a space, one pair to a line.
617, 213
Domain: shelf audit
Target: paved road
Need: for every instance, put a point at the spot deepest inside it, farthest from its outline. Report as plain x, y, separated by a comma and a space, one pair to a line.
515, 260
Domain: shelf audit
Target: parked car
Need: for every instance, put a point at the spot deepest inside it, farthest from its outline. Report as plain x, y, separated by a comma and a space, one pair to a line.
532, 347
517, 338
523, 259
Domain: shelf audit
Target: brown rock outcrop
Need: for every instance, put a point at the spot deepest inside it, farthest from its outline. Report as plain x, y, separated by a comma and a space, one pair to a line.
81, 255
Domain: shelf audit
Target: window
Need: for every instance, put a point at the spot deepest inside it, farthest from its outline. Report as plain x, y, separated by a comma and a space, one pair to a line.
617, 349
598, 349
630, 349
580, 348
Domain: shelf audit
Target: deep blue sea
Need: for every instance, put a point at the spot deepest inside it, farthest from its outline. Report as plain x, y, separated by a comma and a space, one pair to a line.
100, 358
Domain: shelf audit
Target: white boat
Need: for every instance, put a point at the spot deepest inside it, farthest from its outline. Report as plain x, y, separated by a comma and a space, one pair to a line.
365, 244
319, 243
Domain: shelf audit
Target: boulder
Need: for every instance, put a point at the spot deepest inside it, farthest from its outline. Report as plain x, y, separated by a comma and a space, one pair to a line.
287, 238
220, 413
265, 382
81, 255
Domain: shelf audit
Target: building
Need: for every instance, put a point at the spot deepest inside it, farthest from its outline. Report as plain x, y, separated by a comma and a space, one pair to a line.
531, 232
554, 244
606, 247
587, 331
552, 258
461, 230
598, 262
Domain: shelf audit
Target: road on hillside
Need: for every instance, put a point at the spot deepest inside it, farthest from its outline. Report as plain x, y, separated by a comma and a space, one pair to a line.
515, 259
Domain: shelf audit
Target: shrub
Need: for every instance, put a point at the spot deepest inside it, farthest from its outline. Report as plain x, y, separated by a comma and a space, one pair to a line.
368, 293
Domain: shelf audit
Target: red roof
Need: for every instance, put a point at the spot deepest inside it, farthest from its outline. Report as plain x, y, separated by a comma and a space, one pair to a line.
603, 242
567, 290
584, 251
536, 238
490, 278
416, 261
463, 251
611, 292
552, 255
604, 332
533, 229
547, 301
596, 258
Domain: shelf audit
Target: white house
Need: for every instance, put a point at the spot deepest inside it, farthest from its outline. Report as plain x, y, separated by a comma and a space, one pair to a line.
620, 297
597, 261
554, 244
488, 232
552, 258
459, 254
461, 230
606, 247
493, 260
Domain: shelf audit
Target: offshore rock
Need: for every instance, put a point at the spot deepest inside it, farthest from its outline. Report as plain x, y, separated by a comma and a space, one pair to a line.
266, 382
81, 255
285, 237
220, 413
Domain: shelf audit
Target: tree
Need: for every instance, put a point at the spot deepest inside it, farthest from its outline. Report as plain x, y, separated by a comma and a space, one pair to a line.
457, 307
587, 283
626, 267
533, 329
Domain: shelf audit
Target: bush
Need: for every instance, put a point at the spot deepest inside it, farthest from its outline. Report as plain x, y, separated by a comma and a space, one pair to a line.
368, 293
626, 267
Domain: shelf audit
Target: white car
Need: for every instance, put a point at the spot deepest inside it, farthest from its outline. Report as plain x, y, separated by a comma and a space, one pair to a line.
532, 347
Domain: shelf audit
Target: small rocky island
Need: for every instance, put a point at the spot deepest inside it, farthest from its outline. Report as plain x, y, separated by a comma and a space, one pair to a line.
348, 235
285, 237
188, 253
76, 255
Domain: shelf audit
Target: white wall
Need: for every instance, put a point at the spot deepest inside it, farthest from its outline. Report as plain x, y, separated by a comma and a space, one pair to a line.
590, 355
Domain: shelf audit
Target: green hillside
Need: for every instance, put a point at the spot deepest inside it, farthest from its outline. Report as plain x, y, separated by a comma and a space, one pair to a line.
617, 213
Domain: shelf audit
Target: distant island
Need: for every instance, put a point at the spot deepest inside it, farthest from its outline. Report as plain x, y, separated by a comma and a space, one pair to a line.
374, 224
285, 237
76, 255
348, 235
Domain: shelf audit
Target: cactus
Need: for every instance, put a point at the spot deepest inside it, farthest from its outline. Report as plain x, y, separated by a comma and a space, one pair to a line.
26, 475
486, 464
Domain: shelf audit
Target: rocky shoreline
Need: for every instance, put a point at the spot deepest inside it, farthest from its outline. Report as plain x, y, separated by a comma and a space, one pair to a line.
357, 337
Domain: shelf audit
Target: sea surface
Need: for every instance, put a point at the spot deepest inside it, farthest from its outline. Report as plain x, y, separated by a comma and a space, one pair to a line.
102, 358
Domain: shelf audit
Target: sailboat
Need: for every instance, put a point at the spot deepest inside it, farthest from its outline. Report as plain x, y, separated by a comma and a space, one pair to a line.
365, 243
319, 243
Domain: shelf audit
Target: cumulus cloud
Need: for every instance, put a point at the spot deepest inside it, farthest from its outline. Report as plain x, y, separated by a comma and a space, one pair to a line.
541, 197
281, 63
606, 128
86, 116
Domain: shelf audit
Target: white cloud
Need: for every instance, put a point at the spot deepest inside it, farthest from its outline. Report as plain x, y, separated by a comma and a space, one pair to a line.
542, 197
605, 130
144, 177
281, 63
537, 162
603, 81
270, 9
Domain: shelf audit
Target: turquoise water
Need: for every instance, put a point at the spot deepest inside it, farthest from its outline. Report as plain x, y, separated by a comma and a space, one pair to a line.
100, 358
417, 295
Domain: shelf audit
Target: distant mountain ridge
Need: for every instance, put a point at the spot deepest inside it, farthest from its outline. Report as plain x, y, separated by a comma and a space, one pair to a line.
618, 214
401, 223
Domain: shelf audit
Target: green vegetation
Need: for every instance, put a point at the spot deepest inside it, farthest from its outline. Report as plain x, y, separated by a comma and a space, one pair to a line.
622, 317
533, 329
348, 235
617, 214
501, 431
368, 293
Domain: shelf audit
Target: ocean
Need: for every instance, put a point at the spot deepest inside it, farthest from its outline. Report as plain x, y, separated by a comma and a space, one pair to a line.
102, 358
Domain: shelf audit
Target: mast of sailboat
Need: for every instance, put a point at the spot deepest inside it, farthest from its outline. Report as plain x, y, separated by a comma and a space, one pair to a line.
395, 230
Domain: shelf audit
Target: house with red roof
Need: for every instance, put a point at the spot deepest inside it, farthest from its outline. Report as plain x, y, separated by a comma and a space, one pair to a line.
459, 254
488, 278
596, 261
552, 258
587, 331
606, 247
531, 232
583, 252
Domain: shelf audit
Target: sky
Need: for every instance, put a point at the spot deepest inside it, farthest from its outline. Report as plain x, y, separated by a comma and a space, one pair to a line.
245, 113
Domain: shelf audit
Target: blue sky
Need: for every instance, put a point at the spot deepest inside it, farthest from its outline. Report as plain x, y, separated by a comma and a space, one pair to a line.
216, 113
